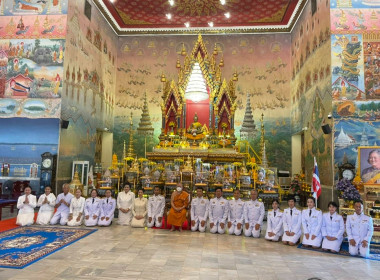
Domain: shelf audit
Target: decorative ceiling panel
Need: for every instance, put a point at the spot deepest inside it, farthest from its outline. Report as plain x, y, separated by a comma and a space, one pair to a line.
149, 16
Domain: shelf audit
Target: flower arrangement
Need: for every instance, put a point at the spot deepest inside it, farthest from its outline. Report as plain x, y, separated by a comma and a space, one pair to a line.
295, 186
342, 185
351, 193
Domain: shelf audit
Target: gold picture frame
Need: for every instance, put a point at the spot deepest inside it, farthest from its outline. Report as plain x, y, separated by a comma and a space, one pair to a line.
369, 171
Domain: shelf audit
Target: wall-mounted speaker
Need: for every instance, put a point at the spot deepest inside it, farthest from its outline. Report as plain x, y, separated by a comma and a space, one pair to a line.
326, 129
64, 124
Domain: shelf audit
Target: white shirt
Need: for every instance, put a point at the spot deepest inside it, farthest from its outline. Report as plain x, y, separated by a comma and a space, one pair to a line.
359, 227
49, 206
29, 207
218, 210
333, 227
312, 221
292, 219
199, 209
156, 205
92, 208
77, 205
107, 207
236, 211
63, 208
274, 222
254, 212
125, 200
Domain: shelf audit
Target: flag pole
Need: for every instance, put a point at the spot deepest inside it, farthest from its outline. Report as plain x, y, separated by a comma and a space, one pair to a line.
314, 194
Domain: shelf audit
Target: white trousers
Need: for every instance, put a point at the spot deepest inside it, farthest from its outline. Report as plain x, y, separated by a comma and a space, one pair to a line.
74, 222
91, 221
60, 217
234, 230
359, 250
316, 242
332, 245
155, 222
275, 237
44, 217
198, 226
25, 219
105, 223
217, 228
251, 231
293, 239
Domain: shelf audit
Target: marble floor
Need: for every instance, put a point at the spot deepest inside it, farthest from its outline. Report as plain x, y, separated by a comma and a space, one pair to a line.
121, 252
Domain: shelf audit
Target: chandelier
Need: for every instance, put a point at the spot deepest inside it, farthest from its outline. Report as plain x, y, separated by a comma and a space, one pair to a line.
196, 90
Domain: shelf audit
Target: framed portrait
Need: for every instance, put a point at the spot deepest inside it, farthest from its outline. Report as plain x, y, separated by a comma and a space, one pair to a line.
369, 164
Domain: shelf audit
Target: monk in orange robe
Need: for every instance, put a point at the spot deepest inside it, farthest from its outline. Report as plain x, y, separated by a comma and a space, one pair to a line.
179, 203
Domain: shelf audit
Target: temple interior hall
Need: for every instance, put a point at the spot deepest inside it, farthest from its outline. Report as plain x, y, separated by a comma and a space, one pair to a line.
241, 102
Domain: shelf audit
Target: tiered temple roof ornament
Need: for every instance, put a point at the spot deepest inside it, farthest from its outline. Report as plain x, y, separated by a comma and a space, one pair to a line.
145, 125
131, 149
178, 99
248, 128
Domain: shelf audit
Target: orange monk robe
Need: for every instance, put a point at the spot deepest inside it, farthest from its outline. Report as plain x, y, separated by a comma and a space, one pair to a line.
178, 218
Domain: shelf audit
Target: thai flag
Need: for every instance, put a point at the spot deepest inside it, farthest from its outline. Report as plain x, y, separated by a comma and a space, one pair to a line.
316, 182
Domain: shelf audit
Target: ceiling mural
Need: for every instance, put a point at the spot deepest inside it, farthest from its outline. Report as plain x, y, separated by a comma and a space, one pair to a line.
188, 16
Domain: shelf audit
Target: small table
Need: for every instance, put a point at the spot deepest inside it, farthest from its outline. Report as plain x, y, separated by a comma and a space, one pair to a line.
5, 203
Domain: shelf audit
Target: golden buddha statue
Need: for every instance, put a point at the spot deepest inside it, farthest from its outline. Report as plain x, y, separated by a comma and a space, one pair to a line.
188, 166
195, 128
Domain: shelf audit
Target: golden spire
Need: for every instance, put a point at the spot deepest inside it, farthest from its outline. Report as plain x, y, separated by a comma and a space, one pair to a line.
131, 150
215, 52
235, 77
178, 64
163, 78
262, 139
183, 51
221, 63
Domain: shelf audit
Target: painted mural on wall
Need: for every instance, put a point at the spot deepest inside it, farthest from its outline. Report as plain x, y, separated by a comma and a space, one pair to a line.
32, 47
30, 108
347, 60
357, 118
33, 7
88, 88
34, 68
261, 62
372, 69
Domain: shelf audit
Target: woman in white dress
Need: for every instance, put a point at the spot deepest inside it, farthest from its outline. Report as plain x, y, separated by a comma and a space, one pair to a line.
125, 201
332, 229
139, 210
76, 209
46, 202
26, 204
107, 210
312, 225
274, 222
92, 209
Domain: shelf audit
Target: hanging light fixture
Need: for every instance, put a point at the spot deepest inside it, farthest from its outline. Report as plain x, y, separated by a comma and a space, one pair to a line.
196, 89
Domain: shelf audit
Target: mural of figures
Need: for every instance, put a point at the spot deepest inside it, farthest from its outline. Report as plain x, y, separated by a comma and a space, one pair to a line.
35, 68
372, 69
23, 27
35, 7
365, 111
347, 59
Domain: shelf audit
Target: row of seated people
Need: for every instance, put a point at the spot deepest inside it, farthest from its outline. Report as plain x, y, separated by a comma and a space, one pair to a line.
319, 229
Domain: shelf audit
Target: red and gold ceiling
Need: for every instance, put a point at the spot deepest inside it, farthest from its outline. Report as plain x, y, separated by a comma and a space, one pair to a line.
149, 16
